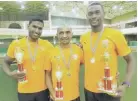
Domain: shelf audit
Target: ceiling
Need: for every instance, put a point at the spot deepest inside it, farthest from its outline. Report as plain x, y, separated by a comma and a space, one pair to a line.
73, 9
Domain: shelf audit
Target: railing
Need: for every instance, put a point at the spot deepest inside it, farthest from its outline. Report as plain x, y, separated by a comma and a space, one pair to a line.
76, 31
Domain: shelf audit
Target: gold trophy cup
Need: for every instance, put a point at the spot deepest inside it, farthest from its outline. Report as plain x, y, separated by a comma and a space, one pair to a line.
19, 54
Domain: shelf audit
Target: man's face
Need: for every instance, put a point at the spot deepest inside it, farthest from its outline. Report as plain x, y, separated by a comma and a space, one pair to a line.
95, 15
35, 29
64, 35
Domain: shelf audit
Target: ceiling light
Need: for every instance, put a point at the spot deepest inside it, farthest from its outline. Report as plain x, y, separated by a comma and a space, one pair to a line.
47, 5
114, 7
20, 1
1, 8
73, 10
121, 8
22, 7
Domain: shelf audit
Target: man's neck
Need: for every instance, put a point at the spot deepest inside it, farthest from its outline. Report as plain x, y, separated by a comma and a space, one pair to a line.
65, 45
31, 40
97, 28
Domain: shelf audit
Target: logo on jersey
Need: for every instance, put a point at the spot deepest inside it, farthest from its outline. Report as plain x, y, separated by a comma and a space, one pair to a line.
75, 56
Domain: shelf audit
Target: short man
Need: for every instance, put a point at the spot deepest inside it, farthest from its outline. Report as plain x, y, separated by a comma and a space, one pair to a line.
101, 48
65, 61
34, 52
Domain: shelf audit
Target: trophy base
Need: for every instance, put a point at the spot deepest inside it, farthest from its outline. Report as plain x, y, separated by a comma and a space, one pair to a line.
59, 99
109, 92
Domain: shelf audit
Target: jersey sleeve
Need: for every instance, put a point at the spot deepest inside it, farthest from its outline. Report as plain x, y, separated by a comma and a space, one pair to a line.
11, 49
122, 47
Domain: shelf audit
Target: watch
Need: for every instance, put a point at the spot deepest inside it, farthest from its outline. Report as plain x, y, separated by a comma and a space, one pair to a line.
126, 83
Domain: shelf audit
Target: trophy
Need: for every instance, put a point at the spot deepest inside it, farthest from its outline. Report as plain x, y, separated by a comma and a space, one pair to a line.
59, 87
19, 54
106, 84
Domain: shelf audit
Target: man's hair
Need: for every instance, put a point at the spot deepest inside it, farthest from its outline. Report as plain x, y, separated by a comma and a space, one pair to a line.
36, 19
91, 3
61, 27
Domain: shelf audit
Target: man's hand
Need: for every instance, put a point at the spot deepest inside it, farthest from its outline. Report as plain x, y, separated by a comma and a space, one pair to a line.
53, 96
18, 75
121, 90
79, 44
117, 75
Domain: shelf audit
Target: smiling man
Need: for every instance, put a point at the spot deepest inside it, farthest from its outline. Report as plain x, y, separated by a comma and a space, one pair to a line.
101, 47
64, 65
35, 51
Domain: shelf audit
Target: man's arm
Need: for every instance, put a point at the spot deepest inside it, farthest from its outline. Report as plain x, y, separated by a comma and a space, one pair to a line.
49, 84
129, 73
7, 63
6, 68
130, 67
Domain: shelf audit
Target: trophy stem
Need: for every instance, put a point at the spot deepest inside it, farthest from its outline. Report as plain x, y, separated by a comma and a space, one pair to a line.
21, 69
59, 90
105, 84
109, 85
107, 71
108, 78
59, 84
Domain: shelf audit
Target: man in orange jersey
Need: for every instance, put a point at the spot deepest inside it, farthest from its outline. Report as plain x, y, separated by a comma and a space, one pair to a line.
64, 65
101, 47
32, 54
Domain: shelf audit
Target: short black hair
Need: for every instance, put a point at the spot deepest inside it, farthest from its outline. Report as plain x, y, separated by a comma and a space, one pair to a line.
91, 3
36, 19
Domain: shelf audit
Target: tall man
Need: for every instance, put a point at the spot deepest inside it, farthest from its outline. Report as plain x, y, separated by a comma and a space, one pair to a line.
101, 47
63, 69
34, 54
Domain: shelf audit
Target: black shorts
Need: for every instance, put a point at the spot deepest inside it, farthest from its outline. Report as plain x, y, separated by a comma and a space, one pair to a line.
39, 96
91, 96
77, 99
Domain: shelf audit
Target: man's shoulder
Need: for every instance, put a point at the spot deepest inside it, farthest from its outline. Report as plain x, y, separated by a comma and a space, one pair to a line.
113, 34
85, 35
113, 31
18, 41
46, 43
76, 47
53, 51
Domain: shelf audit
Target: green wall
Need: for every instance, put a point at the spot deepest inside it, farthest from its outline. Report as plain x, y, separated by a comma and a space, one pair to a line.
107, 21
124, 17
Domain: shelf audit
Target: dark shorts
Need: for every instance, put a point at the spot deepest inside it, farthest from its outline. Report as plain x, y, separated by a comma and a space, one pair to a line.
39, 96
91, 96
77, 99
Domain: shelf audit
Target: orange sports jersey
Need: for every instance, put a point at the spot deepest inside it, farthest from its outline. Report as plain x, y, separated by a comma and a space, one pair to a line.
36, 78
94, 72
70, 83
